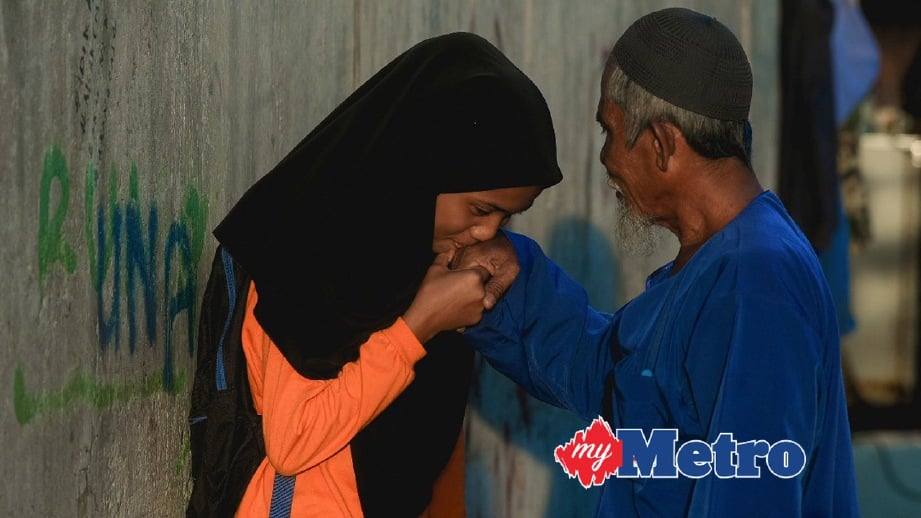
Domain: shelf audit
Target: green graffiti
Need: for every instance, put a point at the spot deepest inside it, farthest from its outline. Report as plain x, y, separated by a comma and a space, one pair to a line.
125, 255
183, 455
82, 386
195, 217
52, 248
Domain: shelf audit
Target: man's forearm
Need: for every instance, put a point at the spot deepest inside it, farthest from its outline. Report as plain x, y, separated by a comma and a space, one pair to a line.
543, 334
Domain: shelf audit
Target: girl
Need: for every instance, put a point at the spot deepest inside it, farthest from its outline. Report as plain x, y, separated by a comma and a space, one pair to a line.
360, 381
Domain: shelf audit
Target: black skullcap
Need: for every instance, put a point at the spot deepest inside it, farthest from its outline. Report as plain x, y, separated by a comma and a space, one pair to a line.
690, 60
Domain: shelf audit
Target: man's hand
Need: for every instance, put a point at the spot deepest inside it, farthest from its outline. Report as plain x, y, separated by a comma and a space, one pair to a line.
496, 256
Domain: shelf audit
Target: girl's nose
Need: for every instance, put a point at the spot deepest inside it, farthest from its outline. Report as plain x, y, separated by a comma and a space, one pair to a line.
485, 231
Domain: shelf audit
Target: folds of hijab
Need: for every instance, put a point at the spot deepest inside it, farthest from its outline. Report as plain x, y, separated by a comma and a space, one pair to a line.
338, 236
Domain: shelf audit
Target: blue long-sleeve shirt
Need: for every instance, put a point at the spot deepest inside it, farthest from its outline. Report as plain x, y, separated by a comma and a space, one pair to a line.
742, 340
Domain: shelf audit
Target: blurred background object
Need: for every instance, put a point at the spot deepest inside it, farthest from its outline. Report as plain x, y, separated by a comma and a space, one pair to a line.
880, 164
882, 198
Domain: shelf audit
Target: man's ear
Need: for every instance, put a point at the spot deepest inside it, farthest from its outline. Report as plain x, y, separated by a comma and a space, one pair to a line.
663, 141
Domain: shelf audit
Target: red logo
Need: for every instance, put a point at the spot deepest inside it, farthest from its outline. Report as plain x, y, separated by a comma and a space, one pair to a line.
592, 455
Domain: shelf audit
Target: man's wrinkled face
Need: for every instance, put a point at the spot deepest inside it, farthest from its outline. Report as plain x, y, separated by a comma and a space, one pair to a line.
632, 175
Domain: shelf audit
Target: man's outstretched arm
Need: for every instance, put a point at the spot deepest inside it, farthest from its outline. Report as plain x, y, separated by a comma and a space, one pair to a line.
541, 333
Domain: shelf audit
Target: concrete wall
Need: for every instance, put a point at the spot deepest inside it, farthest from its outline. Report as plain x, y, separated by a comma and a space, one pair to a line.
129, 128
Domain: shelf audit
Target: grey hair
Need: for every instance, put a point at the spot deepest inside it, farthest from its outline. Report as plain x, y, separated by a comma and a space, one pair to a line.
712, 138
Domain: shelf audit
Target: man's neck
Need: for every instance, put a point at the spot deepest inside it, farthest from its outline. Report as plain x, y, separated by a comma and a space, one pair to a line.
713, 200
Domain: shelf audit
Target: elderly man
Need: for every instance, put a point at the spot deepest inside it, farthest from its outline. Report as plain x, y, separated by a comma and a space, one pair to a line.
733, 347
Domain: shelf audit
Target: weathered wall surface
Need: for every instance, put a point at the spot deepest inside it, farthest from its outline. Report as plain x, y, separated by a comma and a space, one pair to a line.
129, 128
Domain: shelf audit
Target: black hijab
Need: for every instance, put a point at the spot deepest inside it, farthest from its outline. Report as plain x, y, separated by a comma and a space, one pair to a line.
338, 236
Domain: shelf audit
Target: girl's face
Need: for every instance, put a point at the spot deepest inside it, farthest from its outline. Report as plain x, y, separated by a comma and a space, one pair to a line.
466, 218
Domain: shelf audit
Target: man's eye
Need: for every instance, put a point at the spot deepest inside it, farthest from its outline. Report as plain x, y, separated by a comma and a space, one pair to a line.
480, 211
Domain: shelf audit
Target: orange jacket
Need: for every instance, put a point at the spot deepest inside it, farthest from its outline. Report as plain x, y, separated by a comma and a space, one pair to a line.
308, 423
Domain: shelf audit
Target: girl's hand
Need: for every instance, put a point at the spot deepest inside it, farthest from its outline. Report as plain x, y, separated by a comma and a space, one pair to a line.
447, 299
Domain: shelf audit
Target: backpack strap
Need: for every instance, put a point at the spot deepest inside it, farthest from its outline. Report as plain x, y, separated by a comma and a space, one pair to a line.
282, 494
283, 486
220, 377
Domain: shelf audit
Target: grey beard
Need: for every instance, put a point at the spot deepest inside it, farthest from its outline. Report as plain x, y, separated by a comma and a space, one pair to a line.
636, 234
